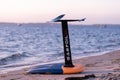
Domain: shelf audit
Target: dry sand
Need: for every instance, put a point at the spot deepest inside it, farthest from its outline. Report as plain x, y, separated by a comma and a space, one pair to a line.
101, 66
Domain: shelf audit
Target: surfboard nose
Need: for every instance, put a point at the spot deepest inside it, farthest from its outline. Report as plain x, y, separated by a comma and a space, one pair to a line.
55, 68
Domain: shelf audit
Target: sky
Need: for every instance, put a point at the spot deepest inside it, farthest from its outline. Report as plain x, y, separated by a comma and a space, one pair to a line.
25, 11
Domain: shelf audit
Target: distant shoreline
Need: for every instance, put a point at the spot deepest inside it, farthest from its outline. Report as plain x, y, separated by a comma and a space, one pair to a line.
56, 23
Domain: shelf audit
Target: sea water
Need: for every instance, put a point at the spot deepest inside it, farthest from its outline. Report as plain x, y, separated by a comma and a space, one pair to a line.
28, 44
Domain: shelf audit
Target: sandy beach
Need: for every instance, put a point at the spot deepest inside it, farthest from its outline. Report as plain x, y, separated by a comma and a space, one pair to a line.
106, 64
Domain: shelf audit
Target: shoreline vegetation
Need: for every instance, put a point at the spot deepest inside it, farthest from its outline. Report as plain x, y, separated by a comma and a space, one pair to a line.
101, 67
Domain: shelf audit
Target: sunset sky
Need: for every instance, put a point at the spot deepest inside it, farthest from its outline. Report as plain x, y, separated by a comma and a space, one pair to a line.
96, 11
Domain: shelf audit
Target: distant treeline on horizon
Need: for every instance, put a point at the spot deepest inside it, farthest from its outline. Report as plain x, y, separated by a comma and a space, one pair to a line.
51, 23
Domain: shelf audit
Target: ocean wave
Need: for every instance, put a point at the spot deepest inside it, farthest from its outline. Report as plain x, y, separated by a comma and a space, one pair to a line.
13, 58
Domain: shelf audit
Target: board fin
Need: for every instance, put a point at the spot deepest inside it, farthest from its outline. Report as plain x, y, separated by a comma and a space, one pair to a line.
58, 18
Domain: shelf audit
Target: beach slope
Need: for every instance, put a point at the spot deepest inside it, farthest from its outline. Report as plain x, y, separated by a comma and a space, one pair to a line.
106, 64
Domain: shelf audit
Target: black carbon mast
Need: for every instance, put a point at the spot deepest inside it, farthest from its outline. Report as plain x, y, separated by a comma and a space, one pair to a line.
66, 40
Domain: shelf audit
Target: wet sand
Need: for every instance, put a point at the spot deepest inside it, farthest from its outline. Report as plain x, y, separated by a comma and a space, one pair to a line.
98, 66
